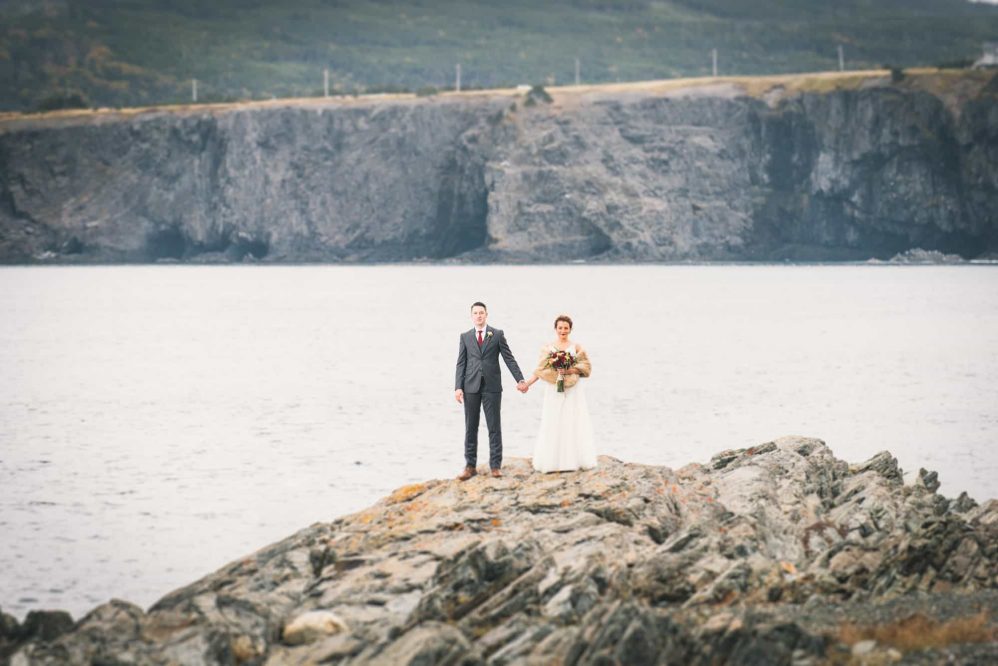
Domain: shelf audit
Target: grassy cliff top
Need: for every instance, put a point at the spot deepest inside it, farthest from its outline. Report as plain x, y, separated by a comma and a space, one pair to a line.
954, 86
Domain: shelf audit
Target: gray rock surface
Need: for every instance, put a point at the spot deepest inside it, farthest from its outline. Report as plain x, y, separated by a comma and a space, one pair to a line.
777, 554
705, 172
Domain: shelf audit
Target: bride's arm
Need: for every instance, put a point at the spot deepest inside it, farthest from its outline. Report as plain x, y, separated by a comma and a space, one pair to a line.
582, 365
542, 371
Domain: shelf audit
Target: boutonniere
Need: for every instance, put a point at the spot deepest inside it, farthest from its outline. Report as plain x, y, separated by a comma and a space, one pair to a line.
489, 334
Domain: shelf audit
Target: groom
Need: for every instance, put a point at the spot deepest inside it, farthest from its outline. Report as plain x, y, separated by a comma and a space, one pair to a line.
479, 386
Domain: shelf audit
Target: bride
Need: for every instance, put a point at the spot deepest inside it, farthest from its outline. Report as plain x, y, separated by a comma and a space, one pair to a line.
565, 440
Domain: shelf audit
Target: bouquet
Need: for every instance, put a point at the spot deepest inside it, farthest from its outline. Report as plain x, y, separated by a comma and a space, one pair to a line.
560, 361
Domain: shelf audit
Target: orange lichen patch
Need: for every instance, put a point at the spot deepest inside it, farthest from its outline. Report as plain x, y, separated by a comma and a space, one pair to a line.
917, 632
406, 493
729, 598
789, 568
496, 522
413, 507
566, 503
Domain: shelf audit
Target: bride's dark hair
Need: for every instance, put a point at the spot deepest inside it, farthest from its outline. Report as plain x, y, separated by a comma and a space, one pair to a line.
566, 319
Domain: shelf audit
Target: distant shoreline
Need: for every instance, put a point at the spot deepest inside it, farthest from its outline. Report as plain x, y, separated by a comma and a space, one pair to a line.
822, 167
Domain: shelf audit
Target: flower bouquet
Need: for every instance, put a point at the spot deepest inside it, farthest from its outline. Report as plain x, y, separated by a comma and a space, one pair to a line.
561, 361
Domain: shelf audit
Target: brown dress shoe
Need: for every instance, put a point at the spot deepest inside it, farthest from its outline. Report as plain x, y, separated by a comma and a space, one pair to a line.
496, 474
467, 473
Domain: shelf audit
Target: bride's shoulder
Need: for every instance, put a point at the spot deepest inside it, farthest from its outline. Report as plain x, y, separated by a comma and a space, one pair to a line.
579, 349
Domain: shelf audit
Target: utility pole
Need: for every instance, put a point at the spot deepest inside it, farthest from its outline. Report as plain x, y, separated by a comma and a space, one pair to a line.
842, 60
325, 82
713, 57
457, 79
194, 90
578, 80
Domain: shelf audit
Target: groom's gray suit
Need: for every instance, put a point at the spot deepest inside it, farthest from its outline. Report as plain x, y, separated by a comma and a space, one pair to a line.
478, 376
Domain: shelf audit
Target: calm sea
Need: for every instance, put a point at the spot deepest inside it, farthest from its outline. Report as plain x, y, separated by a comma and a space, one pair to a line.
157, 422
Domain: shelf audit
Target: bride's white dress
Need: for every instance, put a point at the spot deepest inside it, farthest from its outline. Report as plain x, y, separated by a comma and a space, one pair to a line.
565, 440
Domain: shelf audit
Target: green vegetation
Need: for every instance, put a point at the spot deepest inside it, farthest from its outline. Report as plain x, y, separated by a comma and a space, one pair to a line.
537, 95
140, 52
59, 102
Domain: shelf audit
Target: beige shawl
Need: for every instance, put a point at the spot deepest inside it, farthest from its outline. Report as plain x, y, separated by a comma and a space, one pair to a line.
550, 375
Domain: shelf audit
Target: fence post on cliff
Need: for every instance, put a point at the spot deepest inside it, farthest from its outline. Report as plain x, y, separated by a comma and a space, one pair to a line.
577, 78
842, 60
194, 90
713, 58
325, 82
457, 78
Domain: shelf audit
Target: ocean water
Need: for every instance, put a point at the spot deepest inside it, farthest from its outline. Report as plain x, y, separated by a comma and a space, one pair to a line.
157, 422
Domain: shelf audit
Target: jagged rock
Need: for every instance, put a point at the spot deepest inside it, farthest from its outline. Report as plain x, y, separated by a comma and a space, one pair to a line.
10, 634
430, 643
311, 626
759, 556
884, 464
46, 625
705, 172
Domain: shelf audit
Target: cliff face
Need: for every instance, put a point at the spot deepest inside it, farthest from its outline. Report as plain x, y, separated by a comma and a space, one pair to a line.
777, 554
389, 181
702, 172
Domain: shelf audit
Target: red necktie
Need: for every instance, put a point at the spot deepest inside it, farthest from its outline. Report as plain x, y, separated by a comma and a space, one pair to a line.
479, 338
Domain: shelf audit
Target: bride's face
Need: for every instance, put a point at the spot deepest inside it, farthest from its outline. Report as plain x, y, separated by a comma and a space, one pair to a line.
562, 329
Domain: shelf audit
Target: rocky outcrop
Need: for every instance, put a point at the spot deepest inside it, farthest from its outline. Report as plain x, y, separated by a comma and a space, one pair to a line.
776, 554
702, 171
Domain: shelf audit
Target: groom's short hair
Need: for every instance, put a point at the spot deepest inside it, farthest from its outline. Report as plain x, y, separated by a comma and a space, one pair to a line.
477, 303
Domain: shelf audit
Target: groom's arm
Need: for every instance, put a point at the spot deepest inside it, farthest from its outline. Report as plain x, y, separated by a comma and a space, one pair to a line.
507, 357
462, 361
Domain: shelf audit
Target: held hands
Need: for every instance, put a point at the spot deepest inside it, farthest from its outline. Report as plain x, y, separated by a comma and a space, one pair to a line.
522, 386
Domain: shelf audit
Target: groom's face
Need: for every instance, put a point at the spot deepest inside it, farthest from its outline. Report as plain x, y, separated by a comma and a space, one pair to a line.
478, 316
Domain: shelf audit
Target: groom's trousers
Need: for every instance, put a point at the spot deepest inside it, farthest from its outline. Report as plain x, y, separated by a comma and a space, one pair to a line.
473, 404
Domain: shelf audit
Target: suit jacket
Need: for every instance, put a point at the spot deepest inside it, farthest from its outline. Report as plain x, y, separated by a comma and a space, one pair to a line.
478, 369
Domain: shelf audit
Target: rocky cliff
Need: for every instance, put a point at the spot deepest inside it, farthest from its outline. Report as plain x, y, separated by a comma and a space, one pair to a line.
777, 554
824, 167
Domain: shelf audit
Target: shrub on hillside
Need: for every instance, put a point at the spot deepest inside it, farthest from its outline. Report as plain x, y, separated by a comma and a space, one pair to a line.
537, 95
62, 101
